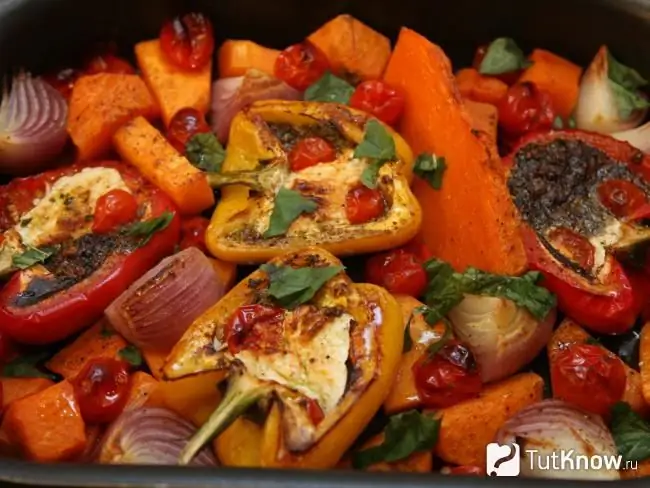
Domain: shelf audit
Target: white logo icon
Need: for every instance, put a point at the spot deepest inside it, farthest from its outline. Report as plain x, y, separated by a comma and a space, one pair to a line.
503, 460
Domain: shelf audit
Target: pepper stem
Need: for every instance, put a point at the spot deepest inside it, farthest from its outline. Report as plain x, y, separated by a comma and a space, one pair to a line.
242, 392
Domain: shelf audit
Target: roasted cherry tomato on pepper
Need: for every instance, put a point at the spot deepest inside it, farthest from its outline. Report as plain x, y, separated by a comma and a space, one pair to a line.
301, 65
588, 376
524, 109
363, 204
193, 233
448, 377
86, 274
185, 124
188, 41
113, 210
254, 326
102, 388
399, 271
378, 99
309, 152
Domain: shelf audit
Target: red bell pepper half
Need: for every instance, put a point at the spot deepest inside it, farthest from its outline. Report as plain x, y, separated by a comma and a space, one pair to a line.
65, 311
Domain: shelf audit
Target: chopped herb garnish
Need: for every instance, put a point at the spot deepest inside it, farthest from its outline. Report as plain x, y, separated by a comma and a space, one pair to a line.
147, 228
205, 152
290, 287
378, 146
558, 122
430, 168
405, 434
131, 355
330, 88
26, 366
631, 433
32, 256
288, 206
503, 55
25, 222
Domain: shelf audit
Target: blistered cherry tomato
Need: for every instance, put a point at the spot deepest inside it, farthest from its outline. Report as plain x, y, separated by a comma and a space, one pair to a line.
184, 125
622, 198
588, 376
257, 327
447, 378
399, 271
378, 99
301, 65
574, 246
193, 233
102, 388
309, 152
188, 42
63, 81
363, 204
525, 108
114, 209
108, 63
316, 413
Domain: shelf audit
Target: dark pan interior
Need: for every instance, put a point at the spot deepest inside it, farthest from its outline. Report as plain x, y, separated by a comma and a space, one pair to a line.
43, 34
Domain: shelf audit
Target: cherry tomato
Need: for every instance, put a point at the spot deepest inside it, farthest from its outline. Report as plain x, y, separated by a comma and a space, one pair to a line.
257, 327
447, 378
525, 108
464, 470
184, 125
113, 210
378, 99
63, 81
7, 349
399, 271
574, 246
316, 413
363, 204
622, 198
301, 65
588, 376
193, 233
102, 388
309, 152
188, 42
108, 63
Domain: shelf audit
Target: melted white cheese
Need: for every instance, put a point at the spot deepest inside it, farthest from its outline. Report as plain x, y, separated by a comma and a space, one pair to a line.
316, 369
62, 213
610, 235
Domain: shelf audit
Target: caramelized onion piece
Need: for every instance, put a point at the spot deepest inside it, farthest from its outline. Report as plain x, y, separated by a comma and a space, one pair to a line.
230, 95
502, 336
32, 125
155, 311
554, 426
150, 436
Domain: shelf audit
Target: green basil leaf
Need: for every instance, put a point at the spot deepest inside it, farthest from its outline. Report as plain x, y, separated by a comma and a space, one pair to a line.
330, 88
503, 56
205, 152
147, 228
430, 168
288, 206
405, 434
631, 433
447, 335
572, 122
291, 287
628, 101
26, 366
378, 146
447, 288
131, 355
32, 256
592, 341
558, 123
624, 76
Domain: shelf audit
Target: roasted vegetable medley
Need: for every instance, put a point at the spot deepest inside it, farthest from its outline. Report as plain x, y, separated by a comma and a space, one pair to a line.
340, 255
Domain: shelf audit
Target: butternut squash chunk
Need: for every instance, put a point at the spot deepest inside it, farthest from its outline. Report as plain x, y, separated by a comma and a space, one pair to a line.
237, 57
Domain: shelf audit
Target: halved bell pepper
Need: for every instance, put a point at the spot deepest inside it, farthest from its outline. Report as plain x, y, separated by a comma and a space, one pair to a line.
258, 165
317, 369
585, 198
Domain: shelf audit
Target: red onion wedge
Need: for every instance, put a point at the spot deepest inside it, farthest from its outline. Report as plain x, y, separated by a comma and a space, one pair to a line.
230, 95
155, 311
32, 125
557, 440
502, 336
150, 436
